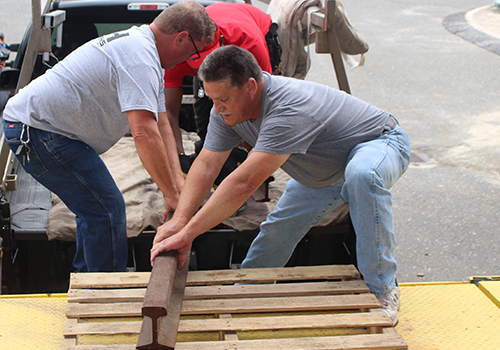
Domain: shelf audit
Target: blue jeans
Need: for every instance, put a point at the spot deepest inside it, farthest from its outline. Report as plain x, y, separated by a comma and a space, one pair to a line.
372, 168
73, 171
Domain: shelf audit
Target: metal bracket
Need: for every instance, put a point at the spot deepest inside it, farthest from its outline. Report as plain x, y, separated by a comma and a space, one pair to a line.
52, 20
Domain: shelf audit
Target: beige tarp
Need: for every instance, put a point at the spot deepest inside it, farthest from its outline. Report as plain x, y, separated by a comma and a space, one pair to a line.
144, 201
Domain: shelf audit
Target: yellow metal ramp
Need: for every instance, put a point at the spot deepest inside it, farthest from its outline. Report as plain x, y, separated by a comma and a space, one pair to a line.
32, 321
433, 316
450, 316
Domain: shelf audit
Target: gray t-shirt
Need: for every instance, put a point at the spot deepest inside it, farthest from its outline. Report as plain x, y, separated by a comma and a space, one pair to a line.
86, 95
318, 125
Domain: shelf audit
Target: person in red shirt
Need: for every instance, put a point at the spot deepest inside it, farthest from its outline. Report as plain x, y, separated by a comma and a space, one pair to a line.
238, 24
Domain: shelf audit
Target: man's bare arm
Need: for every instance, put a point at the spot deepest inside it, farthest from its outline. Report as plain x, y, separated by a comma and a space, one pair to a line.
228, 198
173, 102
153, 154
170, 146
198, 184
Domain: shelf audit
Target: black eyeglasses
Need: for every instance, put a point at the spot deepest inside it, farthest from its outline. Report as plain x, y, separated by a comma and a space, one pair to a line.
195, 55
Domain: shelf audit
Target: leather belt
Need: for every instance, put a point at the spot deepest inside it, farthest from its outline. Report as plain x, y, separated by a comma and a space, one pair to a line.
391, 123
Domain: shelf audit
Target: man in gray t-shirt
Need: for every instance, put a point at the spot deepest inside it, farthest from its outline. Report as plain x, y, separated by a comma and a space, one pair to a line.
59, 124
335, 147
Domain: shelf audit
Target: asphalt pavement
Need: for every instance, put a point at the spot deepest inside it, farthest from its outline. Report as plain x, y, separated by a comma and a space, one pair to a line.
434, 65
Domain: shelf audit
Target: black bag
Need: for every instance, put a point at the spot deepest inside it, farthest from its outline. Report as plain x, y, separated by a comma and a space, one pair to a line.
202, 107
274, 46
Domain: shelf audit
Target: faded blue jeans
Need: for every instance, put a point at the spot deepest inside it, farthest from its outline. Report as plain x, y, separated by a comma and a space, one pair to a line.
372, 169
73, 171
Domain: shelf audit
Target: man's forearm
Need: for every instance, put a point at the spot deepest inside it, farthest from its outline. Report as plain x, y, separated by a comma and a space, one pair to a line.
173, 102
230, 195
154, 158
199, 182
170, 147
153, 153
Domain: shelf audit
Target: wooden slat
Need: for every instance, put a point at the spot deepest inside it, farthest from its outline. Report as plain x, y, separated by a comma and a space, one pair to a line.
106, 295
322, 321
108, 328
372, 341
141, 279
109, 280
228, 291
285, 304
269, 290
242, 305
364, 341
103, 310
299, 273
102, 347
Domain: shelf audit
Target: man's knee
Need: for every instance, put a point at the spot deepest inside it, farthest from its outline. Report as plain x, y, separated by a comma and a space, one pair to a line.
357, 176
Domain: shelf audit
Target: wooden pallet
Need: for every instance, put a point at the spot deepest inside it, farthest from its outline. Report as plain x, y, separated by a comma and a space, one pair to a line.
319, 307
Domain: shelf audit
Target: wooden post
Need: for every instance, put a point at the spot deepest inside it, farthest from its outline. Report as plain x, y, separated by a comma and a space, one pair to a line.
39, 41
333, 44
327, 42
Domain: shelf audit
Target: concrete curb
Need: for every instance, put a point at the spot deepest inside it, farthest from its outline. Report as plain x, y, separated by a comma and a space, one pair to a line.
479, 26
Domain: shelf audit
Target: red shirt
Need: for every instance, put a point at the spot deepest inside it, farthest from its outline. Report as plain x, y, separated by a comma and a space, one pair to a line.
243, 25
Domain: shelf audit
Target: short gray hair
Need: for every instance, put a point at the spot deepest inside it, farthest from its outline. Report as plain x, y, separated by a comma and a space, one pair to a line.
187, 15
230, 62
